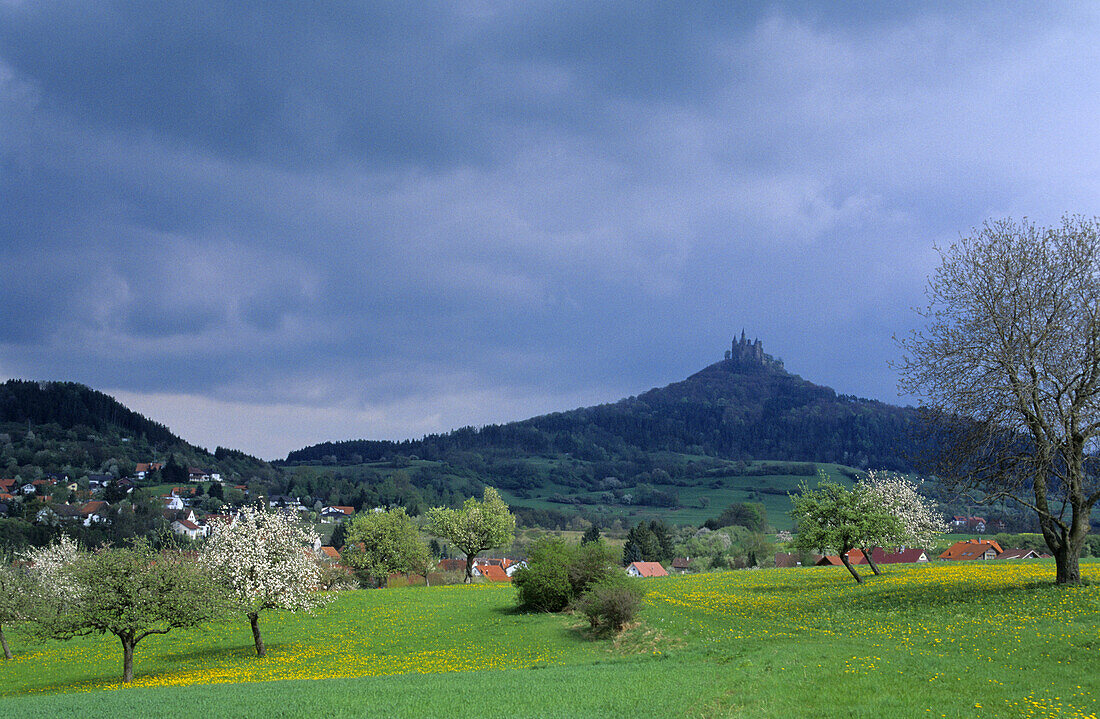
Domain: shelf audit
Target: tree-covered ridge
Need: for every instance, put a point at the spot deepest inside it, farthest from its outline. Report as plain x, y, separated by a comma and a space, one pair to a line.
68, 429
738, 408
69, 405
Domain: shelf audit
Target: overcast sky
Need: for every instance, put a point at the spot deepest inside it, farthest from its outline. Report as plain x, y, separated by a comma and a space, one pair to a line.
272, 224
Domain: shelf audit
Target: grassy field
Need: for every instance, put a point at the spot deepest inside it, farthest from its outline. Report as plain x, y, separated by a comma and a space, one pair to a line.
951, 640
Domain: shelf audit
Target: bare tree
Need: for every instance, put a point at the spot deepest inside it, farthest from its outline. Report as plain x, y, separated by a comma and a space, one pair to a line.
1007, 370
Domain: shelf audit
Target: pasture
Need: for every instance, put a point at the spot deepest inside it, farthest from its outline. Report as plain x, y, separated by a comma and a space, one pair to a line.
967, 639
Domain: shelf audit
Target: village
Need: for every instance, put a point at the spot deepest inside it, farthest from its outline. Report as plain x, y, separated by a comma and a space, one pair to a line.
189, 513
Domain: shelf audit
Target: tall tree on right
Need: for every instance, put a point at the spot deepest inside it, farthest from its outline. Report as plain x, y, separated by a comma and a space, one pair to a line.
1007, 371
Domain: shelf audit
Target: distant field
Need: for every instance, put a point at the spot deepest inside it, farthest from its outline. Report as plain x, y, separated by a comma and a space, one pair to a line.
957, 640
720, 491
704, 478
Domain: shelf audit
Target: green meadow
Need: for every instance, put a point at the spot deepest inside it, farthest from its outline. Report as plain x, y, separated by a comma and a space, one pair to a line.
973, 639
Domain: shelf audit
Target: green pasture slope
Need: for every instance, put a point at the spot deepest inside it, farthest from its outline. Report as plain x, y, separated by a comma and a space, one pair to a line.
977, 639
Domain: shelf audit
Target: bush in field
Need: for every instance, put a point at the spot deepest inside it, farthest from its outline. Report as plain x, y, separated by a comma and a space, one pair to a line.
590, 563
543, 585
558, 573
611, 602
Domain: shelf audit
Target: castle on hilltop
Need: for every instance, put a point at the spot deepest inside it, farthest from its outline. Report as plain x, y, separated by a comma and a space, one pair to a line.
746, 352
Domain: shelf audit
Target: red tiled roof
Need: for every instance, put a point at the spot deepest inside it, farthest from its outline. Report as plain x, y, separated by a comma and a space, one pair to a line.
649, 569
330, 552
494, 573
906, 556
855, 556
92, 507
188, 524
971, 549
785, 559
451, 565
346, 510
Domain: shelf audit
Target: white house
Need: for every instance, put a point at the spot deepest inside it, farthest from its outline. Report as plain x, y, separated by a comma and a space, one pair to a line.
187, 528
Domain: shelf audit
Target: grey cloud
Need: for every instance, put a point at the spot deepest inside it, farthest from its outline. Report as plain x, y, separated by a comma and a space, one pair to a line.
370, 206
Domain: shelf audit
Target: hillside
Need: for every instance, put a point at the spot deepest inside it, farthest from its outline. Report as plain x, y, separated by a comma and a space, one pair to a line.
744, 407
66, 428
740, 430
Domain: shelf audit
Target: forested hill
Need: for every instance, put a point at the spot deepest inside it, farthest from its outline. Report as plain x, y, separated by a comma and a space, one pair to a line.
68, 428
70, 405
744, 407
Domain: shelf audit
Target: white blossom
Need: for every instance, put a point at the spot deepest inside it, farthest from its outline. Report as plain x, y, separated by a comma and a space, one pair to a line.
48, 566
265, 560
919, 516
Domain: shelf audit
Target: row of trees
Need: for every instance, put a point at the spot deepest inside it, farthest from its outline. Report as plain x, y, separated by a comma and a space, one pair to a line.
381, 543
259, 562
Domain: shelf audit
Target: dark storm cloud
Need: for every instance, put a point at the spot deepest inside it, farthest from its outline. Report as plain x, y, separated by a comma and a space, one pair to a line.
412, 217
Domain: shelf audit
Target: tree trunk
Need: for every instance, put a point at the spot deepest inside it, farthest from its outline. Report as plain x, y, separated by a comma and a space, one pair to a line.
469, 568
871, 560
254, 618
848, 564
4, 643
1066, 561
127, 659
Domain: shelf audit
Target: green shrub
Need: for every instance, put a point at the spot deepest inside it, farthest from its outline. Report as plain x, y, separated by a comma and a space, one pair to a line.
611, 602
558, 573
589, 563
543, 585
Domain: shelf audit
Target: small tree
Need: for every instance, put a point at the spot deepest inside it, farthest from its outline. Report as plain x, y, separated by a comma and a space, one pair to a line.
380, 543
611, 602
543, 585
592, 534
475, 527
265, 560
835, 518
129, 592
558, 573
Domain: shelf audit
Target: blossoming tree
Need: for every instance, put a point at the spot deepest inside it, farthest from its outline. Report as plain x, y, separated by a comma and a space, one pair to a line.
265, 560
918, 518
